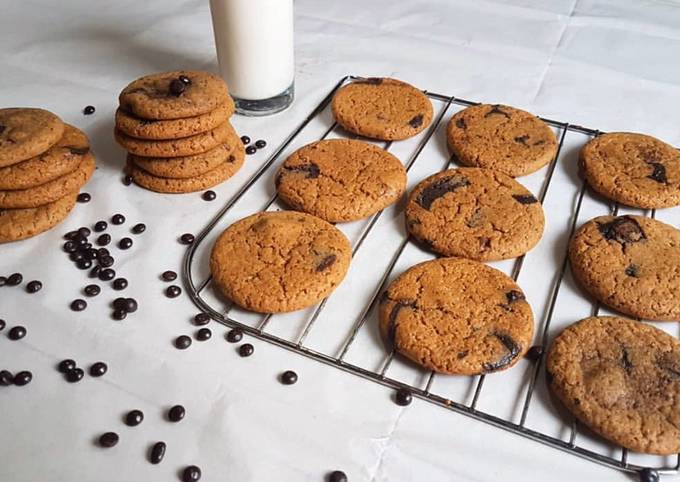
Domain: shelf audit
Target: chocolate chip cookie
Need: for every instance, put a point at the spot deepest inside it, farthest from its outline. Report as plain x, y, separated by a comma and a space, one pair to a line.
26, 133
186, 146
16, 224
630, 263
168, 185
457, 316
633, 169
621, 378
60, 159
279, 261
382, 108
174, 95
340, 180
502, 138
474, 213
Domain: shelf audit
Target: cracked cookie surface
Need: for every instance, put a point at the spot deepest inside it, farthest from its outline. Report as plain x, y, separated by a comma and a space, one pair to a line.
27, 132
341, 180
630, 263
279, 261
16, 224
621, 378
474, 213
633, 169
382, 108
457, 316
500, 137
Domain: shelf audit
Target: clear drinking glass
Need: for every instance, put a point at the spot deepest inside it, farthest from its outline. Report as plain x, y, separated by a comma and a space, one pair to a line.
254, 40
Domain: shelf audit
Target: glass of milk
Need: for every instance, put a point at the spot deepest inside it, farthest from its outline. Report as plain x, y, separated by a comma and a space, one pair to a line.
254, 40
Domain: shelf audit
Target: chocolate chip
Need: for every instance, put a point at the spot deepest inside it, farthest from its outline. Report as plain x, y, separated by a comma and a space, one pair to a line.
16, 333
525, 198
119, 284
130, 305
337, 476
416, 122
392, 320
84, 197
138, 228
107, 274
100, 226
209, 196
370, 81
98, 369
88, 110
204, 334
191, 474
514, 295
438, 189
127, 180
246, 349
182, 342
325, 263
513, 350
250, 150
117, 219
106, 261
108, 440
103, 239
169, 275
187, 238
177, 87
658, 173
522, 139
157, 453
623, 230
134, 418
632, 270
34, 286
534, 353
260, 143
14, 279
496, 109
649, 475
23, 378
2, 325
289, 377
78, 305
460, 123
311, 170
119, 315
245, 140
75, 375
79, 151
626, 363
186, 80
66, 366
403, 397
125, 243
6, 378
176, 413
234, 336
173, 291
462, 354
201, 319
84, 263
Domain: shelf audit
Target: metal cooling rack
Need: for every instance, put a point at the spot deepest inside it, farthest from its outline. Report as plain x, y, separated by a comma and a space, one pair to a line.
221, 310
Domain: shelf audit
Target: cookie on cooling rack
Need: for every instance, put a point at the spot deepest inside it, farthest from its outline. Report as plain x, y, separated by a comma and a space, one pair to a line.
382, 108
457, 316
633, 169
621, 378
630, 263
502, 138
474, 213
341, 180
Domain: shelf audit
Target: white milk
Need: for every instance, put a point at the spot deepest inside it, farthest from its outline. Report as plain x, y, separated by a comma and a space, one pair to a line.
254, 40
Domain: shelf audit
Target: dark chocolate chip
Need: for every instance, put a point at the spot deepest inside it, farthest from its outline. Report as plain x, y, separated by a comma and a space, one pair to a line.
157, 453
66, 366
187, 238
209, 196
98, 369
191, 474
416, 122
84, 263
130, 305
234, 336
14, 279
626, 363
245, 140
185, 79
260, 143
88, 110
92, 290
119, 315
440, 188
513, 350
496, 109
119, 284
623, 230
134, 418
460, 123
337, 476
392, 320
289, 377
107, 274
176, 413
525, 198
246, 349
658, 173
16, 333
69, 247
6, 378
79, 151
2, 325
311, 170
138, 228
127, 179
250, 150
177, 87
534, 353
522, 139
125, 243
182, 342
103, 239
169, 275
633, 270
78, 305
94, 272
75, 375
117, 219
34, 286
403, 397
84, 197
201, 319
23, 378
462, 354
204, 334
649, 475
108, 440
173, 291
325, 263
514, 295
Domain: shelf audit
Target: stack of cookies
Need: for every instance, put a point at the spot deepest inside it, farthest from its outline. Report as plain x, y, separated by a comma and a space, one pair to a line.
175, 127
43, 165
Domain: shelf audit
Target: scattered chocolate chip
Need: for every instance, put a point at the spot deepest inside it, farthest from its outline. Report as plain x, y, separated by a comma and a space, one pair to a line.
246, 349
94, 272
98, 369
125, 243
632, 270
403, 397
66, 366
209, 196
127, 180
185, 79
649, 475
177, 87
173, 291
108, 440
176, 413
103, 239
119, 315
514, 295
78, 305
6, 378
289, 377
525, 198
337, 476
169, 275
84, 263
84, 197
88, 110
107, 274
106, 261
440, 188
513, 350
522, 139
75, 375
70, 247
84, 232
138, 228
534, 353
260, 143
23, 378
201, 319
623, 230
2, 325
182, 342
325, 263
34, 286
496, 109
234, 336
130, 305
14, 279
117, 219
203, 334
70, 235
103, 252
460, 123
76, 256
134, 418
245, 140
187, 238
119, 284
16, 333
157, 453
658, 173
191, 474
250, 150
416, 122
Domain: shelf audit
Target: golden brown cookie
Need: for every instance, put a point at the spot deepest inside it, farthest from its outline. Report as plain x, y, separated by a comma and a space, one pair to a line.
173, 128
16, 224
50, 191
621, 378
633, 169
279, 261
174, 95
187, 146
630, 263
457, 316
474, 213
60, 159
27, 132
182, 185
502, 138
382, 108
340, 180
